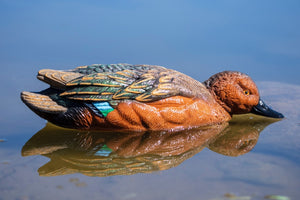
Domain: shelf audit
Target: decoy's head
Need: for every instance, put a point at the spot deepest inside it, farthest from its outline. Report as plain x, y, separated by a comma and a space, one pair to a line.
237, 94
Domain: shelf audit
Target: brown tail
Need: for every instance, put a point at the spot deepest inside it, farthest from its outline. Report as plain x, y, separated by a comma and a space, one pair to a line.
78, 117
41, 103
56, 78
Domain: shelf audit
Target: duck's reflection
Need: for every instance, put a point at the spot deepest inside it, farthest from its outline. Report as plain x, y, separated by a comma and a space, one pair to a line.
125, 153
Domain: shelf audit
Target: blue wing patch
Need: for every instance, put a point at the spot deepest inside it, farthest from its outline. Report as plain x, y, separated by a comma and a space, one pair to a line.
103, 107
100, 108
104, 151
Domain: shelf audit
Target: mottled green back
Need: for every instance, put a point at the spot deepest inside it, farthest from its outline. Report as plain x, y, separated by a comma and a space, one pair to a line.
101, 68
132, 82
118, 82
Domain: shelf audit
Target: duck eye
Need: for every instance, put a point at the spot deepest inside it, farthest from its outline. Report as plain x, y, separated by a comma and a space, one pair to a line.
246, 92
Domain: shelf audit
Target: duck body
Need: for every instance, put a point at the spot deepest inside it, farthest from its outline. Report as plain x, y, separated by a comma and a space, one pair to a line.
124, 96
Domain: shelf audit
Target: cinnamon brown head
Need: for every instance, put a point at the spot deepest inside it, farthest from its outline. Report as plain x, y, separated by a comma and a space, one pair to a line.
237, 94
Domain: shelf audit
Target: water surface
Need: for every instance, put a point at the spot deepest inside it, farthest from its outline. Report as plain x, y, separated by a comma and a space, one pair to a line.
249, 158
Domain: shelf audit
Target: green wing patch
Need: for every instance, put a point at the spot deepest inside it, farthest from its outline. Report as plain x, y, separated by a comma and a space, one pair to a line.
97, 86
139, 84
102, 68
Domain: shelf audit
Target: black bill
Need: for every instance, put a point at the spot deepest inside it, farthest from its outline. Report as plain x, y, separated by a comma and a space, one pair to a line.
262, 109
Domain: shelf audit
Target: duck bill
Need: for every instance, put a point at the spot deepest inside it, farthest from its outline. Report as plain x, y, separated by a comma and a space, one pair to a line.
262, 109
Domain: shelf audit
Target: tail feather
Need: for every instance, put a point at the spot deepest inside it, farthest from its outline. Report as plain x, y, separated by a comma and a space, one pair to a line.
77, 116
41, 103
56, 78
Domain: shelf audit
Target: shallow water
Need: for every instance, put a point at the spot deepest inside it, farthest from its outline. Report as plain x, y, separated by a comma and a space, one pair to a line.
251, 157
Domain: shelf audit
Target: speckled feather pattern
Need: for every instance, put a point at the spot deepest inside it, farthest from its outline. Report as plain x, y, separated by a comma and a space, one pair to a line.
143, 83
227, 88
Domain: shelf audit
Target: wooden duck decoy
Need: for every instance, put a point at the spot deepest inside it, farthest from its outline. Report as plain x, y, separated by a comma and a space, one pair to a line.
142, 97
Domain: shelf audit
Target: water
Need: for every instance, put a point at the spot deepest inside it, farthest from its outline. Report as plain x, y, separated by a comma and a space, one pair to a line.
196, 38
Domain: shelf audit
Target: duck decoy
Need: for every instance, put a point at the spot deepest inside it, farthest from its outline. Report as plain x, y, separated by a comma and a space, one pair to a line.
142, 97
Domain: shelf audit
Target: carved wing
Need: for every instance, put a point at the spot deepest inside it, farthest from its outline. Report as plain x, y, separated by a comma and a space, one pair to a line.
135, 84
102, 68
118, 82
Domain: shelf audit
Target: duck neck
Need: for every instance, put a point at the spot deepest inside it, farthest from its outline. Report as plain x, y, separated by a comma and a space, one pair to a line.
212, 89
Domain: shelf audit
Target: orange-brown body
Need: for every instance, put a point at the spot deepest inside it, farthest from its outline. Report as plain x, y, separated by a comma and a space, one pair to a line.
171, 113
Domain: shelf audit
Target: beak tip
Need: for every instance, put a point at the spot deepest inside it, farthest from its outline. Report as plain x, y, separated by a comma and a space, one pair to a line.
280, 116
263, 109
